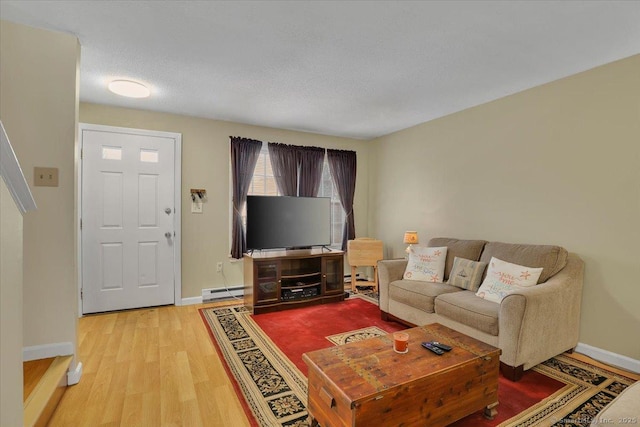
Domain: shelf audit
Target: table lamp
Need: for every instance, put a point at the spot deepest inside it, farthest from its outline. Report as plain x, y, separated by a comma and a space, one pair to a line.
410, 238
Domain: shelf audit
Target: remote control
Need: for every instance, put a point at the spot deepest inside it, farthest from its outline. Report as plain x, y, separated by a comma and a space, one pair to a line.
433, 348
441, 346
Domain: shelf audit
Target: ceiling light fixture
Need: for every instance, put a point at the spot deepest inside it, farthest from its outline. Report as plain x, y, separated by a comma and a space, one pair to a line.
129, 88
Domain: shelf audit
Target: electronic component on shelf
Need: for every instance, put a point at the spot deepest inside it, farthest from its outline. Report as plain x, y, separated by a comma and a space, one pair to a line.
299, 293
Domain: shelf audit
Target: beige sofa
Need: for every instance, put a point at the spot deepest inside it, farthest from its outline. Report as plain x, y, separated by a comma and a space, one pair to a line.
530, 325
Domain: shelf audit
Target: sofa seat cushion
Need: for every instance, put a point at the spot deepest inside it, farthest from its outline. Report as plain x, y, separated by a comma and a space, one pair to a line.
467, 249
552, 259
418, 294
466, 308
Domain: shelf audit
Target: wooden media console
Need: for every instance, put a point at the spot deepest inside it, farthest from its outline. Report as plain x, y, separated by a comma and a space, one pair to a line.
279, 280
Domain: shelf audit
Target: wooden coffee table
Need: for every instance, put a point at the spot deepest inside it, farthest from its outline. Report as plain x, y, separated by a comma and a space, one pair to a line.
366, 383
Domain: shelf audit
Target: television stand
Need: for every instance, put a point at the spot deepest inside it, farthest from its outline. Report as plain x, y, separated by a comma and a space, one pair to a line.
280, 280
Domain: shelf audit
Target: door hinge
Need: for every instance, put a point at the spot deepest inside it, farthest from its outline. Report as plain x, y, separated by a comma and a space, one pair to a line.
80, 223
81, 293
81, 153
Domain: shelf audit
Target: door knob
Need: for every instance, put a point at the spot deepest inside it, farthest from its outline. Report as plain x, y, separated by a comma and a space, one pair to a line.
167, 234
167, 211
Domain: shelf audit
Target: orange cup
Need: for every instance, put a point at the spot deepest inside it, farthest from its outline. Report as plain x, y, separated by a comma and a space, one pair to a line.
400, 342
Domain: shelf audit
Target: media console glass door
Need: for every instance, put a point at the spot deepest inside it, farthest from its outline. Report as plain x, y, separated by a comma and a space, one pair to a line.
268, 281
333, 275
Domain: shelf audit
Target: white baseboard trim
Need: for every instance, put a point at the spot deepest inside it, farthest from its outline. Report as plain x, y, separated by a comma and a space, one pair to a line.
47, 350
609, 357
191, 301
73, 377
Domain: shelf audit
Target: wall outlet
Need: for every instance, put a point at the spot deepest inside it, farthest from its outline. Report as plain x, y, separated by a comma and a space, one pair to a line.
219, 267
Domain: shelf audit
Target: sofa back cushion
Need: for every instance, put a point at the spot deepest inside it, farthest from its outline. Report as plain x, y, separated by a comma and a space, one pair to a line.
551, 258
468, 249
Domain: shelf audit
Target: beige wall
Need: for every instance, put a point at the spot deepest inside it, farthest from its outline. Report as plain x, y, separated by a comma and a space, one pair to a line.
205, 164
10, 310
557, 164
38, 106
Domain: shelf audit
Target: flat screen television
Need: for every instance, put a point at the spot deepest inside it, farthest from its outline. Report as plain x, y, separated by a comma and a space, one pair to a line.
275, 222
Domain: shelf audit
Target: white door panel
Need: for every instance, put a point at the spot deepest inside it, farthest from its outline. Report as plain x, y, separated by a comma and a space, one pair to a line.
127, 220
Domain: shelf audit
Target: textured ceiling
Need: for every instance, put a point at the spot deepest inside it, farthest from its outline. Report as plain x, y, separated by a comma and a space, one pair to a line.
355, 69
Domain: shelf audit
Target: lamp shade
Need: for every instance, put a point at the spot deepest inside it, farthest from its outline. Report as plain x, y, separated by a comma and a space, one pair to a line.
411, 237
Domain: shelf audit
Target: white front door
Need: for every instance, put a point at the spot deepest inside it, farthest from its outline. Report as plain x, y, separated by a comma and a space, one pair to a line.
127, 219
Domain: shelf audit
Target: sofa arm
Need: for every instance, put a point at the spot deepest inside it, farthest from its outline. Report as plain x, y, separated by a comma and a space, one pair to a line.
388, 271
623, 410
541, 321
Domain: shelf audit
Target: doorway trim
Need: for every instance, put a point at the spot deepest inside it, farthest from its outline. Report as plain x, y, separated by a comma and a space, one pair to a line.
177, 201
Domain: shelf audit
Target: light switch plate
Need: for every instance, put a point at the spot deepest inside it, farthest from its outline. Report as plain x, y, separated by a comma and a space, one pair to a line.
196, 207
45, 177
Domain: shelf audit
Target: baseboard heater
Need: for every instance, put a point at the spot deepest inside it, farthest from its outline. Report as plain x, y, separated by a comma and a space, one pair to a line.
214, 294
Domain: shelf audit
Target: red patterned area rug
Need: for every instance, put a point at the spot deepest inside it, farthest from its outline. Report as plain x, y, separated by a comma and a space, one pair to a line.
263, 357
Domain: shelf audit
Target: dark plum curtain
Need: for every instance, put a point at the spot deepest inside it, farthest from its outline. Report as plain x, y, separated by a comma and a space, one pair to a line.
244, 156
284, 163
342, 164
310, 161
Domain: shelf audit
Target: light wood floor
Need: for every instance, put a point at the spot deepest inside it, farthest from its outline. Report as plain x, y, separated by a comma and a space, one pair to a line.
32, 372
154, 367
149, 367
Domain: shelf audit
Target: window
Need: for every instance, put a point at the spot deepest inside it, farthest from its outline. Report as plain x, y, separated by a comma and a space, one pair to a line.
111, 153
328, 189
263, 183
149, 156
